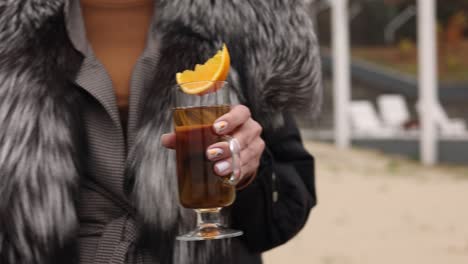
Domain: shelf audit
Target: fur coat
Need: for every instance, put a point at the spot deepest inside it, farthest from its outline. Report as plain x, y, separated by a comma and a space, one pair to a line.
275, 56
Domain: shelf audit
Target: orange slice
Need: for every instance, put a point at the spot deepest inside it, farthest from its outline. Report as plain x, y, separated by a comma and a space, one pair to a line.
200, 80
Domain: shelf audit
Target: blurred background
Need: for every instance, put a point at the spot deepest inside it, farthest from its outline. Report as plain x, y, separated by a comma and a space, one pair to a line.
392, 173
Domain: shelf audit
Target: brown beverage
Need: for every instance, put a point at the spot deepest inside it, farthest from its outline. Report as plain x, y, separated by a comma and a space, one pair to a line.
199, 186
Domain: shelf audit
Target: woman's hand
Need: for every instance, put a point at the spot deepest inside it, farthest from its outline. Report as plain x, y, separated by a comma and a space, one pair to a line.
239, 124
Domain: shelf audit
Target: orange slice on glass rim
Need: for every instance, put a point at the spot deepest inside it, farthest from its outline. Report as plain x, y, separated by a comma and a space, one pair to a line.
203, 78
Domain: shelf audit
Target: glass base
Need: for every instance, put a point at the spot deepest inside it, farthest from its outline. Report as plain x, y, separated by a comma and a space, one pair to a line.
209, 226
209, 232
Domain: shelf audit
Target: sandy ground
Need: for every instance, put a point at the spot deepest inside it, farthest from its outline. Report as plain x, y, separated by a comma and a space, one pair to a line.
379, 209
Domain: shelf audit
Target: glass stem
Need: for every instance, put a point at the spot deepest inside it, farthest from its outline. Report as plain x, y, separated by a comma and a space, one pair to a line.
208, 217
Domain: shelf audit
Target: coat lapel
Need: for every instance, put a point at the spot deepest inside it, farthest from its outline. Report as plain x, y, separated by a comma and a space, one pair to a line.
93, 78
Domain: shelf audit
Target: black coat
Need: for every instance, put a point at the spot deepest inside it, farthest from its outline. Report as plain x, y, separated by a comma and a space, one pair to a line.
286, 184
43, 147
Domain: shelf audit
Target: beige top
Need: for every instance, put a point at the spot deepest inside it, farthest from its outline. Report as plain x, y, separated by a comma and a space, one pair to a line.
117, 31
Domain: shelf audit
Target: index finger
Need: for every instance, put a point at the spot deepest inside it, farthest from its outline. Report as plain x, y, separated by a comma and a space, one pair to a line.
168, 140
229, 122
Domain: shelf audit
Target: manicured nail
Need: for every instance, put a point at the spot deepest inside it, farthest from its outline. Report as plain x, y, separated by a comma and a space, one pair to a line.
220, 126
214, 153
222, 166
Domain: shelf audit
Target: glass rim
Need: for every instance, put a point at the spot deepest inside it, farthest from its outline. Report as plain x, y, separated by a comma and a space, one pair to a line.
179, 84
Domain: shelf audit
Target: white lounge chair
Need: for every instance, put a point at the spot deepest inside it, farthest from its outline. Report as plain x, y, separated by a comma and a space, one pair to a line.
365, 121
393, 111
448, 127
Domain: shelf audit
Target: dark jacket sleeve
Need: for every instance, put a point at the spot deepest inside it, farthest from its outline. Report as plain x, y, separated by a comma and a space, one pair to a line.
276, 205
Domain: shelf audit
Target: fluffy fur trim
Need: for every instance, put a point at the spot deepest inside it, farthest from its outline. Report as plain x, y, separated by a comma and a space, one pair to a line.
38, 151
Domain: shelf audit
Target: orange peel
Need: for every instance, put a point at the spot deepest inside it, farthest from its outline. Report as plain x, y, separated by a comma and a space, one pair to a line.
202, 79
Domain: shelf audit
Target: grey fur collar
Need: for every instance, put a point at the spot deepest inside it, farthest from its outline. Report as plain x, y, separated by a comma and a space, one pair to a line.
275, 55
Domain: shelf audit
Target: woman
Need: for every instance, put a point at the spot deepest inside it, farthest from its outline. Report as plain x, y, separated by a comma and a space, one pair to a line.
84, 107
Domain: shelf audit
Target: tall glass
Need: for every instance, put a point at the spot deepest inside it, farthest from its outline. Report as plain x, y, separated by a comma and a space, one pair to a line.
199, 187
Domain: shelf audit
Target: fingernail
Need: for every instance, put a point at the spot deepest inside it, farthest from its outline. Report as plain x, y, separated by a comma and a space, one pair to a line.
220, 126
222, 166
214, 153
